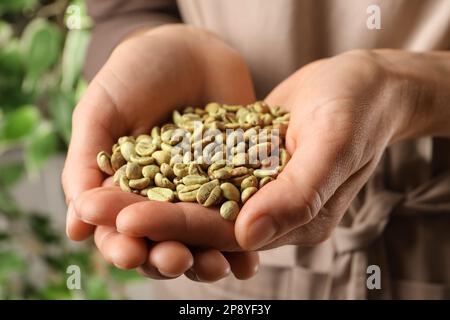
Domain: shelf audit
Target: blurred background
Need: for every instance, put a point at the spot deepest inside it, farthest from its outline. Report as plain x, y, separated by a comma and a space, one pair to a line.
42, 48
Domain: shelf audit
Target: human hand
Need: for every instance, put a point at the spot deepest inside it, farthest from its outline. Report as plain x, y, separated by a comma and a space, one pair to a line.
146, 78
344, 112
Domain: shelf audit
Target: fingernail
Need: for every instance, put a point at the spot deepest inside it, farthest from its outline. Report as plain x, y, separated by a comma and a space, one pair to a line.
260, 232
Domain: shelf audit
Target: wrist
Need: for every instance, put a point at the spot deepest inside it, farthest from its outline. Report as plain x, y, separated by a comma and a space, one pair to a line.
421, 87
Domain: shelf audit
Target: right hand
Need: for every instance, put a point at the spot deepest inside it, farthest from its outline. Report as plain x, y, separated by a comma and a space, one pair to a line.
147, 77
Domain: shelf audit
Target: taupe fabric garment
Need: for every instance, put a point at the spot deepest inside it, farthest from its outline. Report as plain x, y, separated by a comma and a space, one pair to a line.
401, 219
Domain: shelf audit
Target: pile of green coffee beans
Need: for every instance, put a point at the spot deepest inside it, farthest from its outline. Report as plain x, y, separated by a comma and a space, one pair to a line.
217, 155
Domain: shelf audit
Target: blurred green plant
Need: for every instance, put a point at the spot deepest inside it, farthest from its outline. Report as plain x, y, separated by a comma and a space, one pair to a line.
40, 82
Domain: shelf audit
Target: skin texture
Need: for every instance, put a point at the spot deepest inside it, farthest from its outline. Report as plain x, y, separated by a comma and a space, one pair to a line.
345, 111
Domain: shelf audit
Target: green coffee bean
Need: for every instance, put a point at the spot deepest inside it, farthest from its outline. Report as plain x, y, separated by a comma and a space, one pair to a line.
265, 181
261, 173
181, 169
161, 156
133, 171
230, 191
139, 184
122, 140
119, 173
210, 166
239, 171
150, 171
123, 183
194, 179
223, 173
167, 171
127, 149
209, 193
160, 194
145, 148
250, 181
188, 193
247, 193
143, 138
163, 182
117, 160
143, 161
229, 210
195, 169
104, 163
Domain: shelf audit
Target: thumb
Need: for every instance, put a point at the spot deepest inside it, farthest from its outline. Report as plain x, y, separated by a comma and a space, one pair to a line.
92, 132
310, 178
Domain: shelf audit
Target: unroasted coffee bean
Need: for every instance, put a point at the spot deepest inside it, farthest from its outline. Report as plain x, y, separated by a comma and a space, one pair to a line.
229, 210
196, 158
104, 163
247, 193
230, 191
160, 194
133, 171
209, 193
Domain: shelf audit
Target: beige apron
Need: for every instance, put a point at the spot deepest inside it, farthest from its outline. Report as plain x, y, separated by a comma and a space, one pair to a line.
400, 221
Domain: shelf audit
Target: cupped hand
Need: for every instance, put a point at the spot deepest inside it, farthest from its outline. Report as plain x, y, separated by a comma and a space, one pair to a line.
344, 112
146, 78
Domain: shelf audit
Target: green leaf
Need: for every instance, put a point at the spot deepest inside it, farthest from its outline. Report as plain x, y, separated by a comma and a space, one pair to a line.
16, 6
61, 106
6, 33
19, 123
96, 289
8, 205
11, 173
4, 236
42, 145
42, 229
11, 76
55, 291
73, 57
124, 275
60, 261
81, 88
11, 61
41, 44
10, 262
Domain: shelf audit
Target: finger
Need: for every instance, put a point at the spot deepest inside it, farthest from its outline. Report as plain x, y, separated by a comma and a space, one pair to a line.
310, 178
209, 265
320, 228
76, 229
100, 206
95, 124
99, 234
108, 182
92, 131
170, 258
244, 265
188, 223
216, 270
122, 251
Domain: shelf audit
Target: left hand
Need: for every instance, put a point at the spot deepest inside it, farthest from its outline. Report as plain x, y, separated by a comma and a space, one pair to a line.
345, 111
